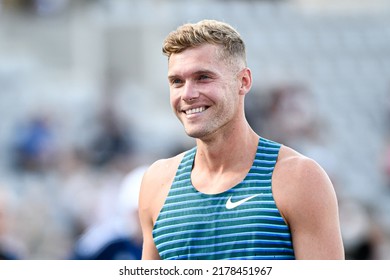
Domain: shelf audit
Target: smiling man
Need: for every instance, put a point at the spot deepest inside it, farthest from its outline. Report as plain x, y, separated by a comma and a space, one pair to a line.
235, 195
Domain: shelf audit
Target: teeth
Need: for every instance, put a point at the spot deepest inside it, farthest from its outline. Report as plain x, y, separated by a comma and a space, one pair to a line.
195, 110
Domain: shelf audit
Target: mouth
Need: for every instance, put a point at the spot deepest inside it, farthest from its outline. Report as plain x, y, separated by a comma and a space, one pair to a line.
195, 110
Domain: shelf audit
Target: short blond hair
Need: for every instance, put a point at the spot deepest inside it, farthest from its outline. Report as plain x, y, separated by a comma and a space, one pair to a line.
214, 32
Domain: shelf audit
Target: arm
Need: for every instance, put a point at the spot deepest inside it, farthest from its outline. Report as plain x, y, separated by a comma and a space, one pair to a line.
154, 190
308, 202
149, 250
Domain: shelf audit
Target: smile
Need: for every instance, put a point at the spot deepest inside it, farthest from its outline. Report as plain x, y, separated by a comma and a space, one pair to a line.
195, 110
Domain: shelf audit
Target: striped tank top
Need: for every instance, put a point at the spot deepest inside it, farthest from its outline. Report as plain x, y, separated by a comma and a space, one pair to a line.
240, 223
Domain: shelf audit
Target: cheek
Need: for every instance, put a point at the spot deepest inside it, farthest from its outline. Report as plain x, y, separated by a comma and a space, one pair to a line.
174, 100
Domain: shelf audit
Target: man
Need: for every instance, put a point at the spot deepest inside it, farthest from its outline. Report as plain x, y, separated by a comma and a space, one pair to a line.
235, 195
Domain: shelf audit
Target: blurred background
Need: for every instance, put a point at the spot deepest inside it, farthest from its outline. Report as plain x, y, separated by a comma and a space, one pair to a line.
85, 109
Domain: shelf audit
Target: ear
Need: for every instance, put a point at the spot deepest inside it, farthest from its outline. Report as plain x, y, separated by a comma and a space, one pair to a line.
245, 79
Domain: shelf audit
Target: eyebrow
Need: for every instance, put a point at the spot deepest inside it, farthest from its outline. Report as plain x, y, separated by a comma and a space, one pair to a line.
172, 76
198, 72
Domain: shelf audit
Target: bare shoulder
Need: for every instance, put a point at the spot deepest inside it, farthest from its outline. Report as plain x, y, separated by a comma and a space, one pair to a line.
163, 169
294, 165
156, 183
300, 182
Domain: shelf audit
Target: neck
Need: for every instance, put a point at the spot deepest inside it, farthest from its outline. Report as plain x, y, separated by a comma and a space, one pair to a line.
227, 151
224, 162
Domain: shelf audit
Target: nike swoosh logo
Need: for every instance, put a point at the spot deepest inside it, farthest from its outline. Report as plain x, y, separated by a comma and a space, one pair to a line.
232, 205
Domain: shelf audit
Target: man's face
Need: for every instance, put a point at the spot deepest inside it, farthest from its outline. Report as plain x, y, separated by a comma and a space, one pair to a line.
203, 91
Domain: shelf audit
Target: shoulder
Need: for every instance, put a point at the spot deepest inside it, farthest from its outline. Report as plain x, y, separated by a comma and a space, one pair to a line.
162, 170
300, 184
156, 183
293, 165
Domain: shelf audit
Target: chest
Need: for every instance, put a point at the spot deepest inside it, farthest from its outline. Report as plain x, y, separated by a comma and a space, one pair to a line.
196, 225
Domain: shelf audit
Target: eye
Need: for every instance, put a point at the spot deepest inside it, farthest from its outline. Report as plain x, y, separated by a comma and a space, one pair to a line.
176, 82
203, 77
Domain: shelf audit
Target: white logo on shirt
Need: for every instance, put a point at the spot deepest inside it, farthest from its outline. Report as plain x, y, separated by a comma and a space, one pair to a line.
232, 205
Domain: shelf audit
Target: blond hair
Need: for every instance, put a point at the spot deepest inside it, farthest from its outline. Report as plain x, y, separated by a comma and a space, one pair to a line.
214, 32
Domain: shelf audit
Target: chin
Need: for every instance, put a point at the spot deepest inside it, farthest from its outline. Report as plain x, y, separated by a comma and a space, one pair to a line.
199, 134
195, 134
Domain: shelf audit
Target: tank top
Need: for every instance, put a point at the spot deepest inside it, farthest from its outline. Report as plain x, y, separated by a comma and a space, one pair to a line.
240, 223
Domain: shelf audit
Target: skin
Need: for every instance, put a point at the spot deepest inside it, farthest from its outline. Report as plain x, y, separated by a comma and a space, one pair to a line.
226, 143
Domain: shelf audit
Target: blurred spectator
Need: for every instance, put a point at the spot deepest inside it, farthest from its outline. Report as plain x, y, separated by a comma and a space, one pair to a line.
34, 145
291, 114
283, 112
117, 236
110, 141
362, 235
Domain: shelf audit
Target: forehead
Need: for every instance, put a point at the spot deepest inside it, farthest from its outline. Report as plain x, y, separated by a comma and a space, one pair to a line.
192, 59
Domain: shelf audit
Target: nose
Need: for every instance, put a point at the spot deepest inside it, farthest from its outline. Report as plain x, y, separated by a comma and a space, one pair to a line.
190, 92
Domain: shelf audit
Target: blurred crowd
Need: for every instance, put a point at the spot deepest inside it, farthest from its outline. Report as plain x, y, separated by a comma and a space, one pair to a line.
79, 203
289, 114
73, 152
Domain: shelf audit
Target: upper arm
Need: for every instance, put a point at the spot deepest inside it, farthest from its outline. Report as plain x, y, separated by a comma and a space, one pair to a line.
154, 190
308, 202
145, 210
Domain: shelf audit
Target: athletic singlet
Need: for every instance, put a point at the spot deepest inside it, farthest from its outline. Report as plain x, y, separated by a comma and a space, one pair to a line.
240, 223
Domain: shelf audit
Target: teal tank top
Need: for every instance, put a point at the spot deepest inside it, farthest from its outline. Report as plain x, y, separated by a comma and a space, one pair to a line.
240, 223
